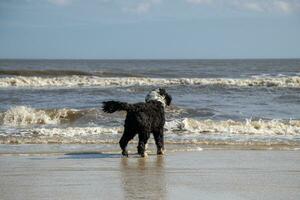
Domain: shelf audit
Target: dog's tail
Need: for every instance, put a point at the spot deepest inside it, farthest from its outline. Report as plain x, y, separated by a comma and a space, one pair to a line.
113, 106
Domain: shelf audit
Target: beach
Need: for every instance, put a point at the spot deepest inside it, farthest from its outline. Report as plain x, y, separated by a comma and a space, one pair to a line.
206, 174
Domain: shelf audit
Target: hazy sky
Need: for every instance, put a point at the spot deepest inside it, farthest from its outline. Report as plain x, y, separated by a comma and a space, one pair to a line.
112, 29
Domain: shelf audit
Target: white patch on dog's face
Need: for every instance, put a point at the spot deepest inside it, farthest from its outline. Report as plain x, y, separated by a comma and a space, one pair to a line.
154, 95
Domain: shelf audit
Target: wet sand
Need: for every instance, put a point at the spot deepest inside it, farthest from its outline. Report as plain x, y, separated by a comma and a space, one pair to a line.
208, 174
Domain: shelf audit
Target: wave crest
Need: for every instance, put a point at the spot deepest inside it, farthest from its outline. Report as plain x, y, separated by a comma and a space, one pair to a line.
247, 127
22, 116
184, 131
87, 81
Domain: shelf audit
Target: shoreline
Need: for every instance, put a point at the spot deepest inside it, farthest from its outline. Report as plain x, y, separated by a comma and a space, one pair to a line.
113, 148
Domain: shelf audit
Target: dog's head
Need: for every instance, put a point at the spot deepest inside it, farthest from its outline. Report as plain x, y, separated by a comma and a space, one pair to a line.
160, 95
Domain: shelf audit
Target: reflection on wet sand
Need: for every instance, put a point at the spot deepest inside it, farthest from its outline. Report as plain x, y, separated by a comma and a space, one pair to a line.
143, 178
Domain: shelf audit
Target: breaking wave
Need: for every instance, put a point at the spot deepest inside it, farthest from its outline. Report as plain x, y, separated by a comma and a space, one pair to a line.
184, 131
23, 116
228, 127
88, 81
28, 116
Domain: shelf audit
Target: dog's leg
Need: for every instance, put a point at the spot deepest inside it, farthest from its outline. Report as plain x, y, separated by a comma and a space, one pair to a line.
126, 137
143, 139
159, 141
123, 144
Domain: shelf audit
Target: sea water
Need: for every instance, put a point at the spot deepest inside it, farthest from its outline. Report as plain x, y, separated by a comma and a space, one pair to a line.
215, 102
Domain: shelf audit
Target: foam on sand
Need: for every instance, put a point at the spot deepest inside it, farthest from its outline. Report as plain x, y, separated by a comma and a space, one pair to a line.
89, 81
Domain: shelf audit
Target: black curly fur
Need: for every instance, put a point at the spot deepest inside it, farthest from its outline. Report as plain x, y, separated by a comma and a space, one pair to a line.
141, 119
168, 97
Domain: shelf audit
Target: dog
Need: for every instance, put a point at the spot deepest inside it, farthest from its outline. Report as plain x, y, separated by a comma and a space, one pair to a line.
143, 119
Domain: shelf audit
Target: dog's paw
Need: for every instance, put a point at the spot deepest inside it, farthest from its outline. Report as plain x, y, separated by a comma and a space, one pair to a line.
144, 155
125, 153
160, 152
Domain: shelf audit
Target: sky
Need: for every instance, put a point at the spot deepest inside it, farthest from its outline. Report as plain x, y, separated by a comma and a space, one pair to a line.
149, 29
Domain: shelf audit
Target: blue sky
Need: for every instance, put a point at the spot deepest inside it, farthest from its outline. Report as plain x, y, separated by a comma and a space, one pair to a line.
149, 29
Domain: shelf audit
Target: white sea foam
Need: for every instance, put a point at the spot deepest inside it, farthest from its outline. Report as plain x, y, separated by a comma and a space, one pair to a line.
80, 135
228, 132
228, 127
27, 116
184, 131
76, 131
23, 115
88, 81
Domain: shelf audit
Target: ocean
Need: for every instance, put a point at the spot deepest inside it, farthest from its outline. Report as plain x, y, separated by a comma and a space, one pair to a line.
216, 103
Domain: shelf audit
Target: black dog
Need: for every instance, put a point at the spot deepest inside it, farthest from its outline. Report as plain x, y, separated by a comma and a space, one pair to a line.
143, 119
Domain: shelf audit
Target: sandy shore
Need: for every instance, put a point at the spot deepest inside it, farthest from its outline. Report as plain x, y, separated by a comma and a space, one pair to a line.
208, 174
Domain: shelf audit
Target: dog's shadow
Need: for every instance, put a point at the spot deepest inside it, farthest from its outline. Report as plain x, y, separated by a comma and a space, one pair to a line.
89, 155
